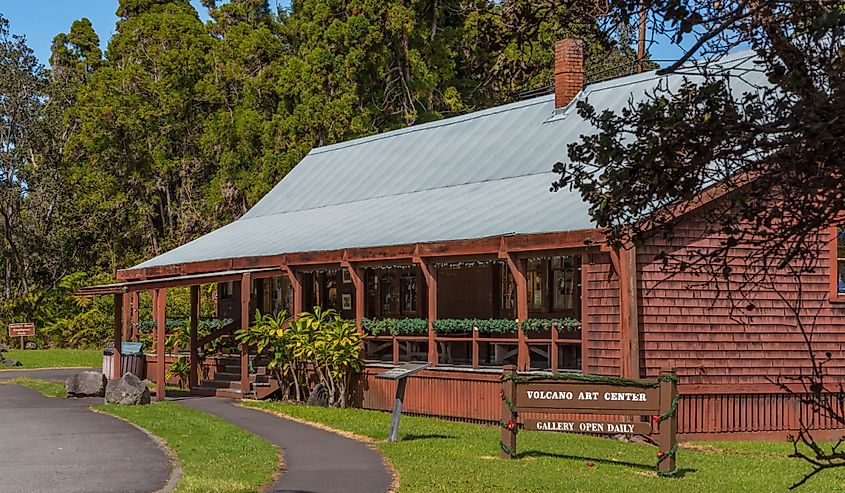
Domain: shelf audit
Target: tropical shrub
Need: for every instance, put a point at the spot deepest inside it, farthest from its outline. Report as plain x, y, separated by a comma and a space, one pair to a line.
320, 347
180, 369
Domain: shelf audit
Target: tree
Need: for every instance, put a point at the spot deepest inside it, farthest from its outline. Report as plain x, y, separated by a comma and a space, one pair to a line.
773, 153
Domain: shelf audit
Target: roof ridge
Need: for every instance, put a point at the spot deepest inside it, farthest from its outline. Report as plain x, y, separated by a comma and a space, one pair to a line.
399, 194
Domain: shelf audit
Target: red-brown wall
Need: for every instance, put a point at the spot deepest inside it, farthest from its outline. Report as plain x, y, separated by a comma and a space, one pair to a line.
602, 316
689, 323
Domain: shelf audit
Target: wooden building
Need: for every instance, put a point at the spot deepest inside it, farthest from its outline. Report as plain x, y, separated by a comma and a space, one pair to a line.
453, 223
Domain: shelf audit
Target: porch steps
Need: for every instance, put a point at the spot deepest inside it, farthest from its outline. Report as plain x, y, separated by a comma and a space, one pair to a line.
227, 380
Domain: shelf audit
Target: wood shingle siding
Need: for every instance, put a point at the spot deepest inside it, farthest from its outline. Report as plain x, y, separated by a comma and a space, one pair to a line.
689, 324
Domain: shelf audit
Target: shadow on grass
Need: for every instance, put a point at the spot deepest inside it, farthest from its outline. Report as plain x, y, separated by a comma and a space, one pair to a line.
410, 438
537, 453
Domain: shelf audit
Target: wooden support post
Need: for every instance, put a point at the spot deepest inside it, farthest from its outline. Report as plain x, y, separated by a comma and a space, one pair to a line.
431, 283
135, 296
517, 268
584, 316
357, 276
193, 377
509, 417
159, 309
395, 348
296, 286
668, 428
629, 329
553, 349
475, 347
397, 410
118, 336
246, 292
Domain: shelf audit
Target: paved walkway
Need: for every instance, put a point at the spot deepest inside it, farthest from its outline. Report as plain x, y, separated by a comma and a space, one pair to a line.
51, 444
315, 461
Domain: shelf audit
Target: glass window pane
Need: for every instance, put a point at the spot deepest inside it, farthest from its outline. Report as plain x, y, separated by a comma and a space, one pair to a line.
840, 285
840, 243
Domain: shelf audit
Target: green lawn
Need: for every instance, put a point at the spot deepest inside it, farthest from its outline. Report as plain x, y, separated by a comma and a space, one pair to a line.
436, 455
215, 456
50, 389
57, 358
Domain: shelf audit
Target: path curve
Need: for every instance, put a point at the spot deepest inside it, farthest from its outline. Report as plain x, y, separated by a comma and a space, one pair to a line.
52, 444
316, 461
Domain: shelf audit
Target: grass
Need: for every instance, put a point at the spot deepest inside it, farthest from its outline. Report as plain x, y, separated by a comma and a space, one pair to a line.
50, 389
434, 455
215, 456
56, 358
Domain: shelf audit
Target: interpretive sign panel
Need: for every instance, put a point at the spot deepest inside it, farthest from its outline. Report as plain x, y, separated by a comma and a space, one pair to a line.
400, 373
565, 394
403, 371
22, 330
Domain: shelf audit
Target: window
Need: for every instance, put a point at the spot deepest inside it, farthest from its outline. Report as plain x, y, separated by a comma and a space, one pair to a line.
408, 286
838, 267
553, 286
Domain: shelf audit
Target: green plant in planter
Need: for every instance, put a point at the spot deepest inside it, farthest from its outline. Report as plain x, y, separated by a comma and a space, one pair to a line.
179, 369
466, 325
561, 324
395, 326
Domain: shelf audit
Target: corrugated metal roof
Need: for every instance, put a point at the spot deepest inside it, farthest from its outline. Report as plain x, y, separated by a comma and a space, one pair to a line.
478, 175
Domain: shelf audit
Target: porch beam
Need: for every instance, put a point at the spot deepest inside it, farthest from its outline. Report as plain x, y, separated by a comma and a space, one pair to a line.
193, 377
480, 246
246, 292
159, 309
119, 318
430, 277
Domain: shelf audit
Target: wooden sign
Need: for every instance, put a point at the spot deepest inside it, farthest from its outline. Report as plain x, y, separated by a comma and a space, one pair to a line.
22, 330
591, 427
563, 394
578, 396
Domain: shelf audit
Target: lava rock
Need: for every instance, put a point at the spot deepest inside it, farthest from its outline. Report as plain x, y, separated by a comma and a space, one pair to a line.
319, 396
30, 345
128, 390
86, 384
10, 362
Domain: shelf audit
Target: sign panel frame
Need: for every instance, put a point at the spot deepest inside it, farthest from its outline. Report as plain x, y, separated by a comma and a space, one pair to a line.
566, 394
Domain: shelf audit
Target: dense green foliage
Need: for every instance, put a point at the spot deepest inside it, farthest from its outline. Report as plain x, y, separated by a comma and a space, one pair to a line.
435, 455
319, 347
179, 126
395, 326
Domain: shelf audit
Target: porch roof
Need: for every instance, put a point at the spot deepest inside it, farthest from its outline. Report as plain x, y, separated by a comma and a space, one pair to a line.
173, 281
474, 176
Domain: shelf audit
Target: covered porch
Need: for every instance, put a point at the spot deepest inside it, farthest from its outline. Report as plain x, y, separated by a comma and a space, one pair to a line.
472, 305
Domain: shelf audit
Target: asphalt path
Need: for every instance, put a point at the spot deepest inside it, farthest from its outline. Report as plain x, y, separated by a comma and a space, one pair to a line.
51, 444
315, 461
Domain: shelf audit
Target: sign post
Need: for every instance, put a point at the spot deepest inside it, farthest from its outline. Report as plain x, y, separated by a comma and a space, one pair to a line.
401, 374
22, 330
568, 394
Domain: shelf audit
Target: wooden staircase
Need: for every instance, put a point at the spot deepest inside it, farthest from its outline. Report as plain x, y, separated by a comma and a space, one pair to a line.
227, 380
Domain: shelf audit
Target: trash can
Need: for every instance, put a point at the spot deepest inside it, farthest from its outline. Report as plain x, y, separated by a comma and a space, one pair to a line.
108, 358
132, 359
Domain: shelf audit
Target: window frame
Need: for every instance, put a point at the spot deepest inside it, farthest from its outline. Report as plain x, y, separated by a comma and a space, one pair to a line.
835, 295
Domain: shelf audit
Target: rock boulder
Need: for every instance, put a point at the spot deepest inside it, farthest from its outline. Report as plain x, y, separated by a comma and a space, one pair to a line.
128, 390
9, 362
319, 396
86, 384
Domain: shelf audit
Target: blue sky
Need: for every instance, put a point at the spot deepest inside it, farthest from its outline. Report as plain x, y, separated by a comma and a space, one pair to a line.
41, 20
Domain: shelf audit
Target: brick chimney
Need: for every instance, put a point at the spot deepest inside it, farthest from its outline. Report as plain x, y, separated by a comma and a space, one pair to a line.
569, 70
